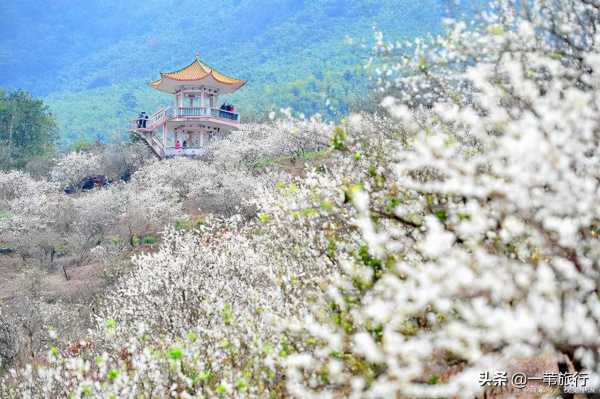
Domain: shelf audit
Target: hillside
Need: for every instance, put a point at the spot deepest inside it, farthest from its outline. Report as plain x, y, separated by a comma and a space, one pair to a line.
443, 244
92, 60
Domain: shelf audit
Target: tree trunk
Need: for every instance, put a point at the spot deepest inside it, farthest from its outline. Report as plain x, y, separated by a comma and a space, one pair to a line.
10, 133
131, 236
52, 253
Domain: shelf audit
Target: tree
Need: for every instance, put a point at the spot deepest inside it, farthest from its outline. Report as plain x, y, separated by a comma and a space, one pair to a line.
27, 129
9, 341
478, 214
73, 167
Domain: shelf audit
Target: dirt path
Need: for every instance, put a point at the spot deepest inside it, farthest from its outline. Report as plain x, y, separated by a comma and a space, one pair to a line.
84, 281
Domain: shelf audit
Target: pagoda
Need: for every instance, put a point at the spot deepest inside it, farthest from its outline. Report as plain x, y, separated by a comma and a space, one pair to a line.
195, 118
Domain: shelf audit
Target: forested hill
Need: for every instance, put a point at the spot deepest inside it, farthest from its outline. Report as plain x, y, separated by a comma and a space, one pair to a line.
91, 60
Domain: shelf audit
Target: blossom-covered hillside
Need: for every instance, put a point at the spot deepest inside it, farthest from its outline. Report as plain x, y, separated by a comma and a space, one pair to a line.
451, 235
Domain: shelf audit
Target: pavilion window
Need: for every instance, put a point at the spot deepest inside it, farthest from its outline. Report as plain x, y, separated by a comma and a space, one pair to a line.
208, 101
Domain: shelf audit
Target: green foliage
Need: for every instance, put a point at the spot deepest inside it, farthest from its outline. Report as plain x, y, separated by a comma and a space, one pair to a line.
27, 129
307, 55
175, 353
135, 240
440, 214
4, 214
434, 379
338, 139
81, 144
227, 314
110, 324
264, 217
241, 384
112, 374
189, 224
149, 240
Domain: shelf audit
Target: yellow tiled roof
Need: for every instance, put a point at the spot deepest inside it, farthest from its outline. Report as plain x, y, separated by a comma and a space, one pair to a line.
197, 71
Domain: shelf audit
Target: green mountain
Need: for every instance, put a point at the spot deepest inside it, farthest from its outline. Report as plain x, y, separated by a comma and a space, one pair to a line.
92, 60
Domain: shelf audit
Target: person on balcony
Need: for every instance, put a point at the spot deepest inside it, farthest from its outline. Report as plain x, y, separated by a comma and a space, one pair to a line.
184, 144
177, 145
145, 122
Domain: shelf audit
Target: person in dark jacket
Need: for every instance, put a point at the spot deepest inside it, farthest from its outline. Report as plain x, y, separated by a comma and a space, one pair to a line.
140, 120
145, 120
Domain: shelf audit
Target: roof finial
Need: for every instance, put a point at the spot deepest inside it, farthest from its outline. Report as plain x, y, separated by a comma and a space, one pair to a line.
198, 55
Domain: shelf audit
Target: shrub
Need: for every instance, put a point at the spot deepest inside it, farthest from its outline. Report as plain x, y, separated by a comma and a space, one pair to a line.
73, 167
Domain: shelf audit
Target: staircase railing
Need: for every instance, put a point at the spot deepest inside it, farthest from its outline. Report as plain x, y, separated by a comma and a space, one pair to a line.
154, 144
158, 117
157, 146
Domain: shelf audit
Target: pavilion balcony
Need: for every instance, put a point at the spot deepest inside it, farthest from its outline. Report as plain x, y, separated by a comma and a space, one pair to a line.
184, 112
172, 113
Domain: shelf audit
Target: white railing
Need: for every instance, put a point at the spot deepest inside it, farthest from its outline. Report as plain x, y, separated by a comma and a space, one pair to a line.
154, 121
154, 143
157, 146
159, 117
183, 112
174, 152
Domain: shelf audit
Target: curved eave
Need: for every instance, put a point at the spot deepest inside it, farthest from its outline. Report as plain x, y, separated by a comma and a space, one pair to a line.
169, 85
196, 74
